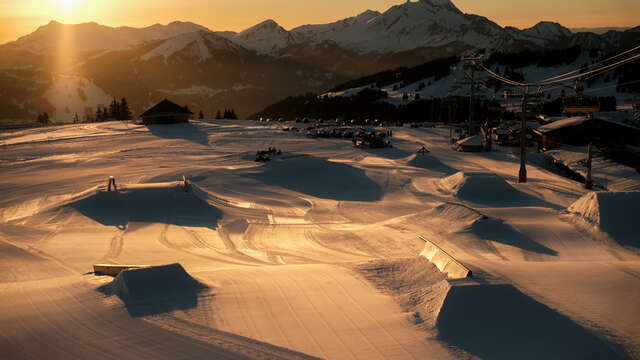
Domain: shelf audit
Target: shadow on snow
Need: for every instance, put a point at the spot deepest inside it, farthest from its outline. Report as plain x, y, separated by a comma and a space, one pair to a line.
320, 178
500, 322
185, 131
149, 205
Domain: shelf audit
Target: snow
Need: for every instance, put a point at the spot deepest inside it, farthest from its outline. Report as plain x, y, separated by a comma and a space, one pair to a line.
471, 141
95, 37
543, 32
447, 86
154, 281
314, 254
402, 27
196, 41
265, 37
605, 172
71, 95
560, 124
530, 334
194, 90
205, 90
613, 212
481, 188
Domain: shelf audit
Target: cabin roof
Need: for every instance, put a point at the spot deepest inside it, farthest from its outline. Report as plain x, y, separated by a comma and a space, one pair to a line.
560, 124
471, 141
166, 107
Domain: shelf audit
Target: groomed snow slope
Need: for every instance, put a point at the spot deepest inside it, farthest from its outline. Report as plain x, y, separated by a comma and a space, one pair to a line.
483, 188
499, 322
615, 213
279, 247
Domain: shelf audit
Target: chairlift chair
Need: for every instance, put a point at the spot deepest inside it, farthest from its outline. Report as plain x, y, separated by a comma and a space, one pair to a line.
581, 105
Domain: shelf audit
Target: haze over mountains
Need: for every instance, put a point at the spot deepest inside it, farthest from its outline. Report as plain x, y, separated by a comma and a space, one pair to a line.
248, 70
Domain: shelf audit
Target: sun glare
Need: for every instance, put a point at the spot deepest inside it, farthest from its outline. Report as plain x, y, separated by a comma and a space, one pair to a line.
67, 5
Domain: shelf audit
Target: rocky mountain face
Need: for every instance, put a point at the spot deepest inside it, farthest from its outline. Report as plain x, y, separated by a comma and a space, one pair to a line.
248, 70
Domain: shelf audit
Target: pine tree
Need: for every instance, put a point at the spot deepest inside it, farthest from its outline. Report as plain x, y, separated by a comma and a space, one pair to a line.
114, 109
75, 118
43, 118
98, 114
200, 115
232, 115
218, 115
124, 110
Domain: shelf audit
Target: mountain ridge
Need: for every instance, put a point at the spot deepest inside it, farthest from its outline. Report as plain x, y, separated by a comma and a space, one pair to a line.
250, 69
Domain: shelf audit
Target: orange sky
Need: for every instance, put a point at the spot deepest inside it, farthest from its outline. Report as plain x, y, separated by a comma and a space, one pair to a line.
20, 17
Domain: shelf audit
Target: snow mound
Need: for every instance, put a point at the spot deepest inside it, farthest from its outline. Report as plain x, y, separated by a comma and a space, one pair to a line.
416, 284
614, 212
149, 203
17, 264
321, 178
458, 213
497, 321
155, 282
483, 188
430, 163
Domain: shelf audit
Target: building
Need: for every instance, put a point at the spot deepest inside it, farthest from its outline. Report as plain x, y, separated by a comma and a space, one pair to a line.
166, 112
470, 144
580, 130
569, 131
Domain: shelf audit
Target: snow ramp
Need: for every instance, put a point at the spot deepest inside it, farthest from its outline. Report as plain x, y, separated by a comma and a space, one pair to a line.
429, 162
443, 261
149, 203
321, 178
483, 188
155, 289
615, 213
497, 321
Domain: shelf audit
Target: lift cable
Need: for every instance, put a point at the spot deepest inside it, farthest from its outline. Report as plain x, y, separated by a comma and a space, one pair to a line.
559, 80
595, 64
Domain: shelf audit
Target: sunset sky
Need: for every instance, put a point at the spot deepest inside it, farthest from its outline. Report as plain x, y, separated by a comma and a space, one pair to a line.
20, 17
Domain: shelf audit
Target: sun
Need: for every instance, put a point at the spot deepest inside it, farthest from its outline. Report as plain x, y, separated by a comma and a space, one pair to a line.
67, 5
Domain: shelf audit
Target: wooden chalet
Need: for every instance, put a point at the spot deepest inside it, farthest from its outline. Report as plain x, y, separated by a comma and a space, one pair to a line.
166, 112
470, 144
580, 130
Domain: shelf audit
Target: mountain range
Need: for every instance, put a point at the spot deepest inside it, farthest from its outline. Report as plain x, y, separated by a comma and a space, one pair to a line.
66, 69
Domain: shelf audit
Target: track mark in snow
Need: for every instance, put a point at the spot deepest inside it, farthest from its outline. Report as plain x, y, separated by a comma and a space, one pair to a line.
318, 315
308, 333
346, 315
115, 247
350, 298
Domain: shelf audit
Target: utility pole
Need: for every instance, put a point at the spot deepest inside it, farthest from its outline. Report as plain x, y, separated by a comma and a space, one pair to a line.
472, 84
589, 183
470, 74
522, 175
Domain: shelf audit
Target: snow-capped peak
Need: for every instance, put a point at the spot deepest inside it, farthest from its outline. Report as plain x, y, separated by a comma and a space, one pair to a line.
366, 16
264, 37
548, 30
423, 23
267, 25
541, 33
94, 37
199, 43
446, 4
